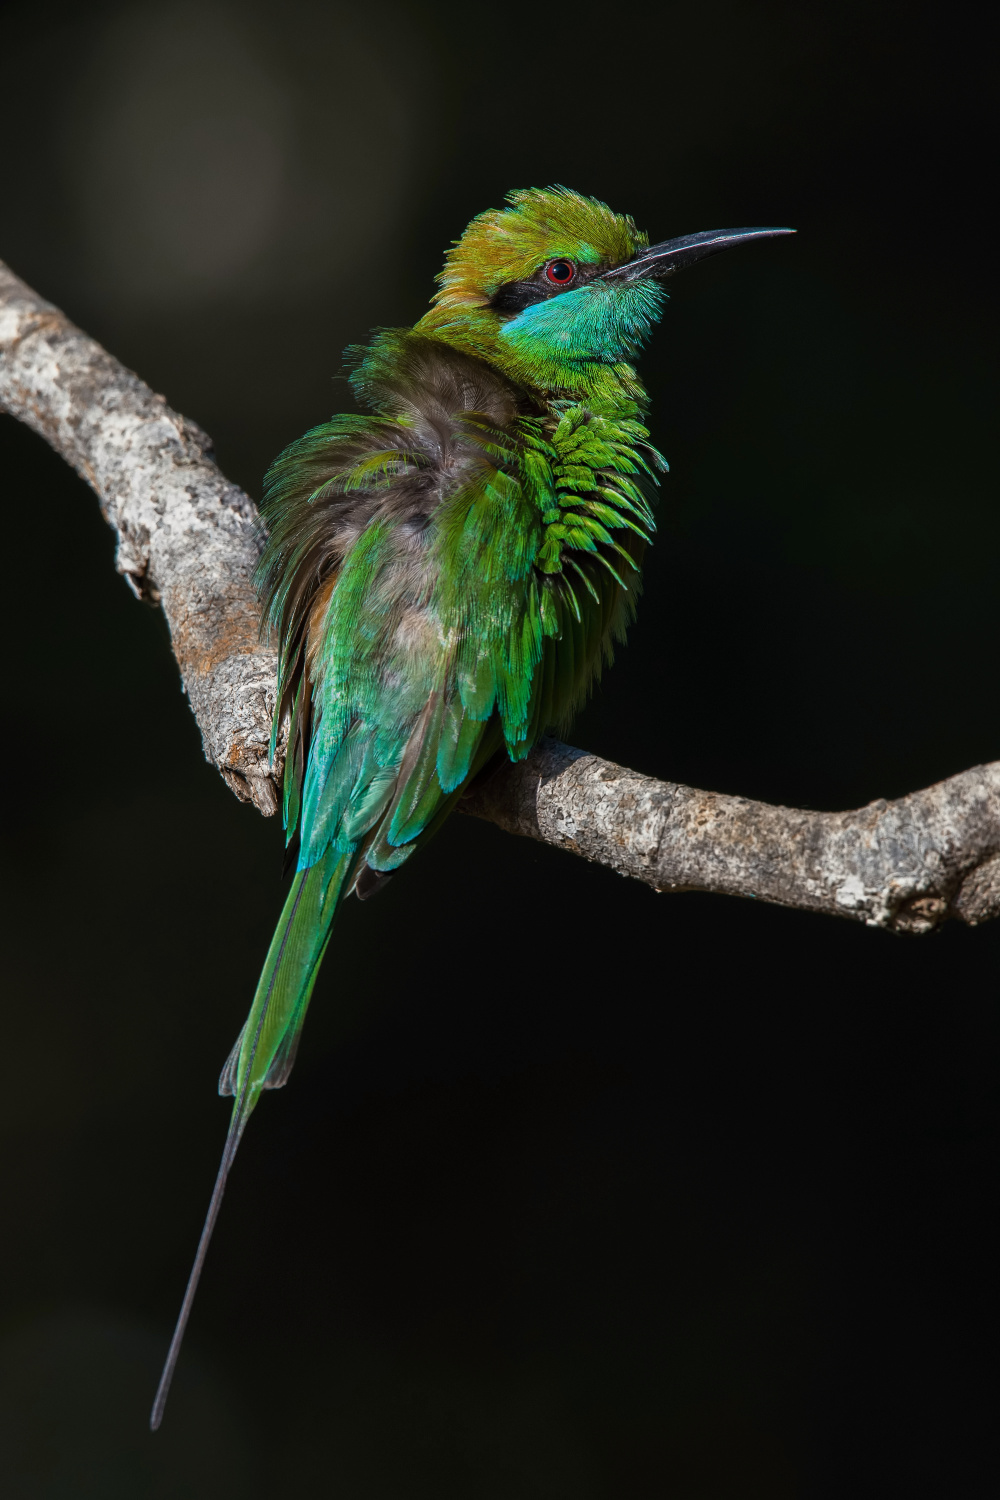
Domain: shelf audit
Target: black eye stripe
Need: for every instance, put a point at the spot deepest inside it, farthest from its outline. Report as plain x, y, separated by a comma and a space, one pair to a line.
515, 296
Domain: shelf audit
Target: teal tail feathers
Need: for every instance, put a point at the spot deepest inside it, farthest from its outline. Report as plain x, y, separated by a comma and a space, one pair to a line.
265, 1049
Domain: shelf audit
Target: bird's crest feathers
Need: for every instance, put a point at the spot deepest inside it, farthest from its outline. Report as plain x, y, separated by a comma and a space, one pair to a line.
507, 244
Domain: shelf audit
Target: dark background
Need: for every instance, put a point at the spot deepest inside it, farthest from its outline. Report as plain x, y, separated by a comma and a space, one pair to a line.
578, 1191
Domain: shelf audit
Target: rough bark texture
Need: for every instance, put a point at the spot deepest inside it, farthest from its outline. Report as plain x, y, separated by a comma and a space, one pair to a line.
187, 540
905, 865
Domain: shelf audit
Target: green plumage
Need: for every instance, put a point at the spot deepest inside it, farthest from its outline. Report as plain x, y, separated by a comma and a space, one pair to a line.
446, 573
485, 551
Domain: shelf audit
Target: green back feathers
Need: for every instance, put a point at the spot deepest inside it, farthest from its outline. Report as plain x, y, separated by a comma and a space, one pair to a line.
485, 556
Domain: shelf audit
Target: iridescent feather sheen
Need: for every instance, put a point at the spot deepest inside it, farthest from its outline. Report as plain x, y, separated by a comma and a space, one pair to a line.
446, 573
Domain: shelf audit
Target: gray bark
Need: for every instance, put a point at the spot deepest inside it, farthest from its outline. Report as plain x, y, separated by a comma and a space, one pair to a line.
188, 541
905, 865
187, 538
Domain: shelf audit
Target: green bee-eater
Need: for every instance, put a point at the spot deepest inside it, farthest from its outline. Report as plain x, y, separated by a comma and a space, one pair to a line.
446, 574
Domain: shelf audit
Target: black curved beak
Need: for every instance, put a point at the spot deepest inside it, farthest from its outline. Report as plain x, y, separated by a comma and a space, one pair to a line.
673, 255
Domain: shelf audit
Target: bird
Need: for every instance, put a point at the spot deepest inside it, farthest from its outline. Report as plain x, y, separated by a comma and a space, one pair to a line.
447, 572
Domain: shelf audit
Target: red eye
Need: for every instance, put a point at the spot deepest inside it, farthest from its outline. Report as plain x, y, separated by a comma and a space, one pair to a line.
560, 272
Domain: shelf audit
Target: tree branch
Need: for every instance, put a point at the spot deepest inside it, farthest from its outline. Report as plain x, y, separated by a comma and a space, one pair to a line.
187, 540
905, 865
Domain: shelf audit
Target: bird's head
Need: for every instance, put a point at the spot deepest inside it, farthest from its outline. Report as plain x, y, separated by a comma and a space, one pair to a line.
559, 292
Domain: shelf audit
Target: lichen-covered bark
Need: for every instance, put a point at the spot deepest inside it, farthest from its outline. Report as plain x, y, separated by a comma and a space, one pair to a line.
905, 865
186, 536
187, 540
